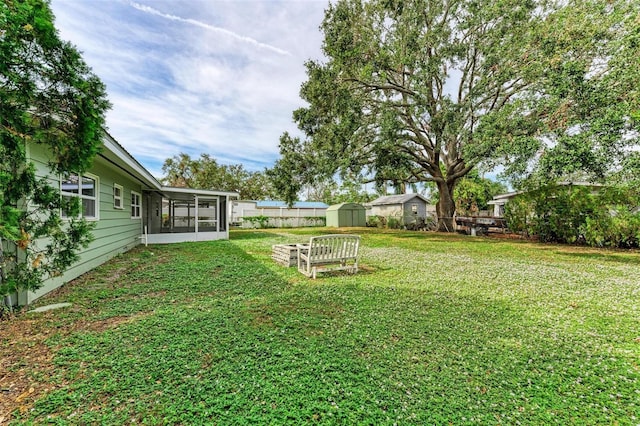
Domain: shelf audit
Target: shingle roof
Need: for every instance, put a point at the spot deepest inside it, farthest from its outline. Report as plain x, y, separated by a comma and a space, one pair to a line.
396, 199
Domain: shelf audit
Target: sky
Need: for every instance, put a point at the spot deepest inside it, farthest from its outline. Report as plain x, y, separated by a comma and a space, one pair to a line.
197, 76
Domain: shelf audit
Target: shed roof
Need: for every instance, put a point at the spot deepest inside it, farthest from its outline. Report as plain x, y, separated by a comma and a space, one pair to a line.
345, 206
396, 199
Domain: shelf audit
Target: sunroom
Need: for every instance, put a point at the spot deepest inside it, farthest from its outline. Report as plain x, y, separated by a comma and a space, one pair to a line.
172, 215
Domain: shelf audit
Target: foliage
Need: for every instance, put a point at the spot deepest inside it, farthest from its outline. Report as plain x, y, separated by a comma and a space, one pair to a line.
427, 90
206, 173
620, 230
598, 216
617, 223
350, 190
594, 99
315, 220
322, 191
394, 223
217, 333
258, 221
519, 214
472, 193
264, 222
48, 97
293, 182
398, 222
375, 221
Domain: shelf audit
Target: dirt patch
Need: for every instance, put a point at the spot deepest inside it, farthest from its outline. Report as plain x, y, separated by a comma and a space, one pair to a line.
26, 361
27, 368
103, 325
22, 353
510, 236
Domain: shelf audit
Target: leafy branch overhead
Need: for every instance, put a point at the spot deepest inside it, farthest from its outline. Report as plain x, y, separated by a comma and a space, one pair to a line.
426, 91
48, 97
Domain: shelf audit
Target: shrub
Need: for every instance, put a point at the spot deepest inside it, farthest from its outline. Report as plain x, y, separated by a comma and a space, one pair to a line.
619, 229
377, 221
258, 221
394, 223
315, 220
577, 214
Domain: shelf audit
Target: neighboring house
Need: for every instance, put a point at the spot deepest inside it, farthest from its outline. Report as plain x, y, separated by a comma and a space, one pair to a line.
405, 207
129, 207
302, 213
499, 201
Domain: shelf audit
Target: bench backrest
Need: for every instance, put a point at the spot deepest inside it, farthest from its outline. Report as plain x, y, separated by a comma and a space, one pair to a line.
333, 247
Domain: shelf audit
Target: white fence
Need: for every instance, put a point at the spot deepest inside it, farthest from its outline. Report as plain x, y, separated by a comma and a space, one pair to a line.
279, 217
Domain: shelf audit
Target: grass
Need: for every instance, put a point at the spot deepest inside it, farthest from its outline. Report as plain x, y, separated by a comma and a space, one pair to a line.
435, 329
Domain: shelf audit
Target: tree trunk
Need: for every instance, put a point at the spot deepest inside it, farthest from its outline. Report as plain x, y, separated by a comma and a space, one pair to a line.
446, 207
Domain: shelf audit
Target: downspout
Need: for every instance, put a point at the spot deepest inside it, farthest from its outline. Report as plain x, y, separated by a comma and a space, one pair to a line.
218, 213
197, 216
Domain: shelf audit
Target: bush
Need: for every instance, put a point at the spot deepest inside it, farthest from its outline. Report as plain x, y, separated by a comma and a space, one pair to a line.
377, 222
315, 220
577, 214
258, 221
394, 223
620, 229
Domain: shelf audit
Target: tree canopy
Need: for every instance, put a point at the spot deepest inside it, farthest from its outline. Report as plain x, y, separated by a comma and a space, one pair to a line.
48, 97
205, 173
473, 192
428, 90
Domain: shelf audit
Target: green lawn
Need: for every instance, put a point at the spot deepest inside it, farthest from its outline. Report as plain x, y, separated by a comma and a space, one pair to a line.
435, 329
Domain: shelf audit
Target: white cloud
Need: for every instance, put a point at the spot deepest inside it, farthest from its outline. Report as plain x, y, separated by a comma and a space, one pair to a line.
148, 9
216, 77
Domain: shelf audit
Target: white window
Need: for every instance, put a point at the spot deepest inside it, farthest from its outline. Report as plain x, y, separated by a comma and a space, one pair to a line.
117, 196
136, 205
414, 208
83, 187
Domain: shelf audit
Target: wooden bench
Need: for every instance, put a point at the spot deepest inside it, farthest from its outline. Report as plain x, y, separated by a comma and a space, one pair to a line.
329, 253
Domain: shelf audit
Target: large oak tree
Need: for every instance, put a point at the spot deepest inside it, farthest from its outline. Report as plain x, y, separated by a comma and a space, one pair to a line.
427, 90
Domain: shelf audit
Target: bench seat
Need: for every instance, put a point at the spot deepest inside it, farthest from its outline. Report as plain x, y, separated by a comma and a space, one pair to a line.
329, 253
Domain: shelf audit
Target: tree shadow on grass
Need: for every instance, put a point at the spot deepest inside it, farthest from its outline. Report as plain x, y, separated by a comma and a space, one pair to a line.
619, 256
249, 235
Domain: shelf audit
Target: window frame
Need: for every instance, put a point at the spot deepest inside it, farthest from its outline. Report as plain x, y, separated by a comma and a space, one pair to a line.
137, 205
118, 201
95, 198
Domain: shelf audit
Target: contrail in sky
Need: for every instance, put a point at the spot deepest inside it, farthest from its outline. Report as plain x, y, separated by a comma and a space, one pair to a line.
231, 34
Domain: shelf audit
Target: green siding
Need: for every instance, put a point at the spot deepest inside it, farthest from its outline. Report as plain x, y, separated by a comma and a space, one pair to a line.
346, 215
115, 232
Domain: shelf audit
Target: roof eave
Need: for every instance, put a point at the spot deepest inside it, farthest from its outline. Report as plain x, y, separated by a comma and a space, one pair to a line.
199, 192
116, 153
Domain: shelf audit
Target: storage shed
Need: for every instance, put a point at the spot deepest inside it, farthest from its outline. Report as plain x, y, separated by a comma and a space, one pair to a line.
406, 208
346, 214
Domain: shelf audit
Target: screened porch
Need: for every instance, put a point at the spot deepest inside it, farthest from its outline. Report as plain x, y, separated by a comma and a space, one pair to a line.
181, 214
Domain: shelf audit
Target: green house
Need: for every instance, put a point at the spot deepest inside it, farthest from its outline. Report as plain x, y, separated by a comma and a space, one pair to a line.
130, 207
346, 215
